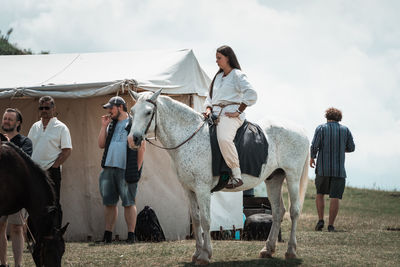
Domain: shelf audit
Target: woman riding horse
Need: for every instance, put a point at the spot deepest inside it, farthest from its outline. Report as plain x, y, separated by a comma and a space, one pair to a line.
230, 94
188, 144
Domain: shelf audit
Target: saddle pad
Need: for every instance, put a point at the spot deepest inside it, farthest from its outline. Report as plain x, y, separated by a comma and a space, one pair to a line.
252, 147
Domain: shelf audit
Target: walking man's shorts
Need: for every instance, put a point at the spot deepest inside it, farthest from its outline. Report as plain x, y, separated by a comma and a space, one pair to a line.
334, 186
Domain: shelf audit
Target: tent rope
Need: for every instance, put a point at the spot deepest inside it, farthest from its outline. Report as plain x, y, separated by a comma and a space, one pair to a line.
20, 91
61, 71
128, 84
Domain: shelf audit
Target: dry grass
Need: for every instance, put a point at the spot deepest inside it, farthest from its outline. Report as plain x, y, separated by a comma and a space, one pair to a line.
362, 240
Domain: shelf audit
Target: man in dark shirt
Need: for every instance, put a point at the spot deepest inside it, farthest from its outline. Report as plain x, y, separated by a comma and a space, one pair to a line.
11, 125
331, 141
118, 168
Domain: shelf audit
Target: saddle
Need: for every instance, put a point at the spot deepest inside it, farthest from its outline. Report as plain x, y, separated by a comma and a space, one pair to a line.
252, 148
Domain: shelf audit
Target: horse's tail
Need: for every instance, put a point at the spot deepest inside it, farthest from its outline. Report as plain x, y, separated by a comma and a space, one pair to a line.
304, 181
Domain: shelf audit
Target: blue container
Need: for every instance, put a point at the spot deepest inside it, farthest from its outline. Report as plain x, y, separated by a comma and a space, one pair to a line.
237, 235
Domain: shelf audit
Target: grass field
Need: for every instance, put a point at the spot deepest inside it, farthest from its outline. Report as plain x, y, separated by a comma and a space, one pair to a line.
363, 239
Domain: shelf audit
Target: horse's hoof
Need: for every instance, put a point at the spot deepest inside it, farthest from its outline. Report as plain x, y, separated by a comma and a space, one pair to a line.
264, 253
202, 262
289, 256
194, 259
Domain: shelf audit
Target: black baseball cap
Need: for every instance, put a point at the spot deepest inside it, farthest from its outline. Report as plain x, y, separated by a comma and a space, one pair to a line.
115, 101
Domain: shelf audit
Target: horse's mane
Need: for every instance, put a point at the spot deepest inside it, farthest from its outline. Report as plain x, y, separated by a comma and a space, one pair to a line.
163, 100
182, 108
33, 167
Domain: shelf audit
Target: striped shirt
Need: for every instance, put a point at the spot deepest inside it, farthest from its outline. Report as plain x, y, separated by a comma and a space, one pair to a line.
331, 141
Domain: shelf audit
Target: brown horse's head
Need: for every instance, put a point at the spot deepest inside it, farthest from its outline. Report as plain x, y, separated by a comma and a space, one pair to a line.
50, 245
49, 249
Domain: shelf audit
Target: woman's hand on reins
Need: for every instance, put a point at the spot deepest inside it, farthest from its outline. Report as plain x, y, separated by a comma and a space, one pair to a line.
207, 113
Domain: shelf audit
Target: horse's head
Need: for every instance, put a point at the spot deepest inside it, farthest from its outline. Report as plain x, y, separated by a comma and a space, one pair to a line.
143, 114
50, 245
49, 249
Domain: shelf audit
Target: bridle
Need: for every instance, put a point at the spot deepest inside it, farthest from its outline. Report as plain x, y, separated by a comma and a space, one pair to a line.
154, 116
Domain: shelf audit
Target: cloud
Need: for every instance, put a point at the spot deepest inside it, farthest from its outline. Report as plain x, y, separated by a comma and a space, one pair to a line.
302, 57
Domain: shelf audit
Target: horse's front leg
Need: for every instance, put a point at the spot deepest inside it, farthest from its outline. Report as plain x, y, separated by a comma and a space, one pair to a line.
203, 199
274, 191
36, 253
195, 215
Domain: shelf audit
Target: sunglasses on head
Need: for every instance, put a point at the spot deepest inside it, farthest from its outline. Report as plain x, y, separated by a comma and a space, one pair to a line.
44, 108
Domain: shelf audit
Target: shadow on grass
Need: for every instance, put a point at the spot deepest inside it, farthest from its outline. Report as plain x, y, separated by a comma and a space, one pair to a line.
255, 262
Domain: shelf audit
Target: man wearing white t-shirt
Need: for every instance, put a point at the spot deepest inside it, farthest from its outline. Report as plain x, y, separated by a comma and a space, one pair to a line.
51, 143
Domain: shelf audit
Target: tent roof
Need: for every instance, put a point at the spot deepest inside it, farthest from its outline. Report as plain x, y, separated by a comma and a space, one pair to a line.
93, 74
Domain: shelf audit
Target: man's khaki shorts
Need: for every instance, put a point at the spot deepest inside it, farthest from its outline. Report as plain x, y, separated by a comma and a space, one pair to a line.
15, 218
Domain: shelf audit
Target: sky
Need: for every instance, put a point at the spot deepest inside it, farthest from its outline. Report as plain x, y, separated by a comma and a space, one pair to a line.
301, 56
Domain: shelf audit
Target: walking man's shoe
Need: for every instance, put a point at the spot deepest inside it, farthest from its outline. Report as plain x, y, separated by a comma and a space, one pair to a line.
331, 228
320, 225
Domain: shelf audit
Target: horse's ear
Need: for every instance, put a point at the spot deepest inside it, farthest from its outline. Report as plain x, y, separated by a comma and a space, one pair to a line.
155, 95
134, 95
64, 229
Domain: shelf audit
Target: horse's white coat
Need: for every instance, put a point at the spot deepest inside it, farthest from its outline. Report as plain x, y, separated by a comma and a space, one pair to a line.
287, 152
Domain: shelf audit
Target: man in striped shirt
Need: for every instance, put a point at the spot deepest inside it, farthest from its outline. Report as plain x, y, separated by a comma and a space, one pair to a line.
331, 141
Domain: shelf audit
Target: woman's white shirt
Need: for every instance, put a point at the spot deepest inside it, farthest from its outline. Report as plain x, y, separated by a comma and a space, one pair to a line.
233, 88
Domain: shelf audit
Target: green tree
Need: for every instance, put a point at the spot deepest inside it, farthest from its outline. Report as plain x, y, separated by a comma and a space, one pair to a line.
6, 48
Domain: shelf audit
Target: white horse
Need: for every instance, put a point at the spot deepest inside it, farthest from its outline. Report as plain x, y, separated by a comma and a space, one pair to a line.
173, 122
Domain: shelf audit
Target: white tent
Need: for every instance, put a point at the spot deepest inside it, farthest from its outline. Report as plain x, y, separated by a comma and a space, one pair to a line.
81, 83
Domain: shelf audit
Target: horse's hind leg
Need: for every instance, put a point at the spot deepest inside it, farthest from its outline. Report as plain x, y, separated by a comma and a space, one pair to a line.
274, 190
293, 189
195, 215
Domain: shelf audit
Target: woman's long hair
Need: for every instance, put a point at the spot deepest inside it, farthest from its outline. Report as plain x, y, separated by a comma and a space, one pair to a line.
232, 61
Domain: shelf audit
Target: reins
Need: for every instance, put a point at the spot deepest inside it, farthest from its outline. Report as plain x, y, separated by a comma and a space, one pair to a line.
30, 246
155, 129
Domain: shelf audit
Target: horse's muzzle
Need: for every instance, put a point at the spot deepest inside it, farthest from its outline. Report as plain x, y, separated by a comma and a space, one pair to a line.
134, 141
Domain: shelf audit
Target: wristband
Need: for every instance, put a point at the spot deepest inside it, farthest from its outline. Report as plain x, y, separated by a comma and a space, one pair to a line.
238, 111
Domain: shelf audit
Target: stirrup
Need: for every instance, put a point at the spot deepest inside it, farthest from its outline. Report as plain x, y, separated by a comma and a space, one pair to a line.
233, 183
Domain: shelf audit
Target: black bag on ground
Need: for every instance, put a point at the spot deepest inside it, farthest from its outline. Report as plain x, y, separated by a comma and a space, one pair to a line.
258, 226
148, 227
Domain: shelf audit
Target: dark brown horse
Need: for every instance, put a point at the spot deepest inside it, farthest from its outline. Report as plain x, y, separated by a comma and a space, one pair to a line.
23, 184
